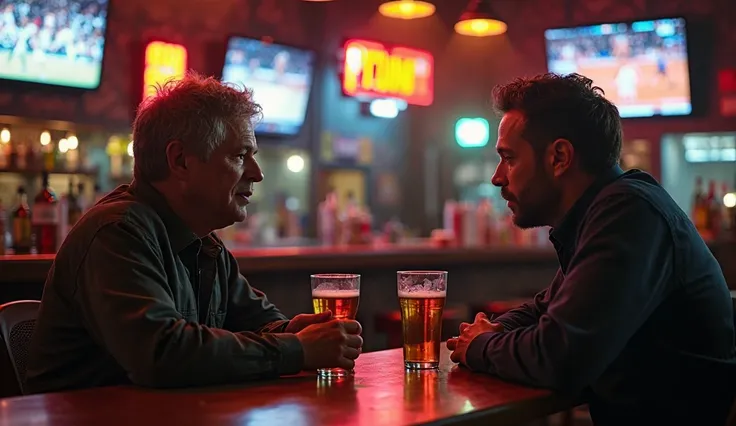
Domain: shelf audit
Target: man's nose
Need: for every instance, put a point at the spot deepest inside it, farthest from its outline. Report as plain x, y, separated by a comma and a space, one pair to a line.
499, 177
253, 172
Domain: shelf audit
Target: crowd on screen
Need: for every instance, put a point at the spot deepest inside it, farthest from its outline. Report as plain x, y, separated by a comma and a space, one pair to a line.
75, 28
613, 45
259, 55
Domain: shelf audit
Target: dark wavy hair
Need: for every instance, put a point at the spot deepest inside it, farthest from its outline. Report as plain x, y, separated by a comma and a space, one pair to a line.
566, 107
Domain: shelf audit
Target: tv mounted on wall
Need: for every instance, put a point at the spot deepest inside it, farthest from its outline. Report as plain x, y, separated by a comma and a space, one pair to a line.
642, 66
53, 42
280, 76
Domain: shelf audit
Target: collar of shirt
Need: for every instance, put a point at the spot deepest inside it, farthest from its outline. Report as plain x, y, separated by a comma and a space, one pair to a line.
563, 237
180, 235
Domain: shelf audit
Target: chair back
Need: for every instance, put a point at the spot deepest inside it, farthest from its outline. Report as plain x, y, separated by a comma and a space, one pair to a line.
17, 321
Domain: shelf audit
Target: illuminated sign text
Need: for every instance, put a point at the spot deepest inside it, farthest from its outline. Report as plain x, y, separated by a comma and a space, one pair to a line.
374, 71
164, 61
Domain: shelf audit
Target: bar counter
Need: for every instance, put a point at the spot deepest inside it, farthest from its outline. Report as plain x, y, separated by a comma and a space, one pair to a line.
34, 268
476, 276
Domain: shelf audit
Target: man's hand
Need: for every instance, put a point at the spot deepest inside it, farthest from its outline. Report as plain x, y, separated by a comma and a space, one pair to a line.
334, 344
302, 321
459, 345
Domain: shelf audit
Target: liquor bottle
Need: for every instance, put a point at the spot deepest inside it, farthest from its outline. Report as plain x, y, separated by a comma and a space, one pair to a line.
49, 157
711, 206
99, 195
725, 211
13, 155
21, 156
21, 220
46, 218
74, 206
4, 154
699, 208
82, 200
2, 228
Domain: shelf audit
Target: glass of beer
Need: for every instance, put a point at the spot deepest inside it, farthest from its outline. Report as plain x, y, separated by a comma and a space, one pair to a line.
422, 299
339, 293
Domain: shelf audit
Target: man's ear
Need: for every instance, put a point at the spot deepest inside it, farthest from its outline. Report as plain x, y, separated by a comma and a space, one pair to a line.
560, 155
176, 159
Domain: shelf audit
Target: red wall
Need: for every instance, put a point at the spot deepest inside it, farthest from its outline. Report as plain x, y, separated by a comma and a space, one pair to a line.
200, 25
466, 70
528, 19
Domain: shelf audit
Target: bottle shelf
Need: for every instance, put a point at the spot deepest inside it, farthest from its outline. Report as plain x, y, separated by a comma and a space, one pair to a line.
35, 171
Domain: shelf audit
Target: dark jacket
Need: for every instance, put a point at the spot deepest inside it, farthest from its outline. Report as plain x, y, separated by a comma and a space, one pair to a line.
638, 316
134, 296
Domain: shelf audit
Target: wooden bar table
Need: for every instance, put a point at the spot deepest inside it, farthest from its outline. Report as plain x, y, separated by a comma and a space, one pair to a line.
380, 393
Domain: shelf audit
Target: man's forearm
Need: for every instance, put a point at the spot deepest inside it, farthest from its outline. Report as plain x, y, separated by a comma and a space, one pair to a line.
523, 316
529, 313
135, 319
161, 351
278, 326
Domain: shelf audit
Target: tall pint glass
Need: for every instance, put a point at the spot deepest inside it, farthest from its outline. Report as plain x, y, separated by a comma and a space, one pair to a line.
422, 299
339, 293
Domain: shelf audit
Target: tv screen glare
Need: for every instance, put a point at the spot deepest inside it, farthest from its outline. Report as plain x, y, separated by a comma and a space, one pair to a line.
53, 42
280, 77
642, 66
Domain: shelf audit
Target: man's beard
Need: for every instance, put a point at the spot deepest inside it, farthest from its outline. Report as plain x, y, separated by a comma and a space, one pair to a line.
536, 202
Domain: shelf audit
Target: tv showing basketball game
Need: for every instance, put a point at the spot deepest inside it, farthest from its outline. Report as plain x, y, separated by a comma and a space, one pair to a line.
53, 42
642, 66
280, 77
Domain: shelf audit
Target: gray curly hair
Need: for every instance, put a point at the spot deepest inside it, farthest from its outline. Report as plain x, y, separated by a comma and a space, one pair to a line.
200, 112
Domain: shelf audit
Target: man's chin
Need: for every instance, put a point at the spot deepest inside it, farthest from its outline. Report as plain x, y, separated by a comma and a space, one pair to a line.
238, 214
525, 222
241, 215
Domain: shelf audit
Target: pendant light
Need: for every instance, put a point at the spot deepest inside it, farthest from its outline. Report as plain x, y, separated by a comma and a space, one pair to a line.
406, 9
479, 21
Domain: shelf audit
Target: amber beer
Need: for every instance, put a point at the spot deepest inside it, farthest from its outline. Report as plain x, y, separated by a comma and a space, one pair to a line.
342, 303
340, 294
421, 319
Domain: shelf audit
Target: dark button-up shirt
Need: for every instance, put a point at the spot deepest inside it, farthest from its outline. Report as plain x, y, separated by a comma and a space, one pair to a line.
134, 296
638, 314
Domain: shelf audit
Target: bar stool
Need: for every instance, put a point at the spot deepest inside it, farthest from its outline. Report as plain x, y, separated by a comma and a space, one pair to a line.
389, 323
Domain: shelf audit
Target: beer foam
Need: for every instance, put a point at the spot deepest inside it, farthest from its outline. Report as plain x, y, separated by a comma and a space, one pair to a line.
334, 294
422, 294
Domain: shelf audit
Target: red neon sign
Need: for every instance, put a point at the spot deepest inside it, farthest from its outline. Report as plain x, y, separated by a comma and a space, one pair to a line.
164, 61
372, 70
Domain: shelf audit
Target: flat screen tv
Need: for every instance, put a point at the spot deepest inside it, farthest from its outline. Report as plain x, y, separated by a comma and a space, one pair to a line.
53, 42
280, 77
642, 66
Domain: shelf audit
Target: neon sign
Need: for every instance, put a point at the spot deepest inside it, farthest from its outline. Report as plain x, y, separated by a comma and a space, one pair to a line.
372, 70
164, 61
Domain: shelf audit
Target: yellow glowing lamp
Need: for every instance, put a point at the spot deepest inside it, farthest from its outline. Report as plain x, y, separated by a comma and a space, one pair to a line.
406, 9
478, 21
480, 27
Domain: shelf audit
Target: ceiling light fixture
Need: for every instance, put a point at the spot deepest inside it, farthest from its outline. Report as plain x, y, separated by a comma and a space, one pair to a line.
479, 21
406, 9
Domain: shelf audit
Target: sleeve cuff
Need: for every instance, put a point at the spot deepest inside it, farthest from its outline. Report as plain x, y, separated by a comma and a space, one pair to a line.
506, 325
292, 354
278, 326
475, 356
